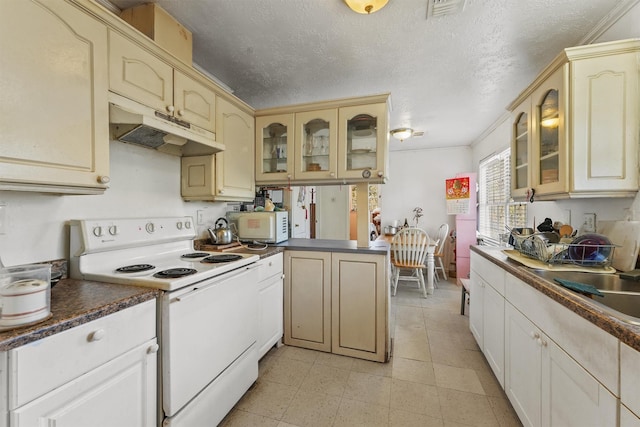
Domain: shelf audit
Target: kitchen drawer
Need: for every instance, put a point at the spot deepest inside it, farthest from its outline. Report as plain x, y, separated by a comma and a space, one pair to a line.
44, 365
270, 266
490, 273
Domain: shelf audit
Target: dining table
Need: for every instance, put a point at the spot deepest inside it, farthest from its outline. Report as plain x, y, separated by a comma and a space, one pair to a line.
430, 260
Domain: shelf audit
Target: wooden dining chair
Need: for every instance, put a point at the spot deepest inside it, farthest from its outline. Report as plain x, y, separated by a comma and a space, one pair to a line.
438, 255
409, 250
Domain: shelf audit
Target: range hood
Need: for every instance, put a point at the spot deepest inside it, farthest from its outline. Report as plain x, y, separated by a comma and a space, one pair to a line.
135, 123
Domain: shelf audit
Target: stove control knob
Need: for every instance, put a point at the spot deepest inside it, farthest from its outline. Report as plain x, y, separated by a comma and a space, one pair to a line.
179, 225
187, 224
97, 231
150, 227
113, 230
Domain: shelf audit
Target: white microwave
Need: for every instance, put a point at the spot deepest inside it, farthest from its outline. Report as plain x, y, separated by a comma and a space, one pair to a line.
267, 227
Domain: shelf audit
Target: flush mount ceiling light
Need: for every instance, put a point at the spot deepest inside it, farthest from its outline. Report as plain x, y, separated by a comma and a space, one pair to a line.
402, 133
366, 6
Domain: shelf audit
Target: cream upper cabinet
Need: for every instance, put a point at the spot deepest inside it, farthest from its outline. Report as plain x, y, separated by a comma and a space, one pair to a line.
274, 148
228, 175
315, 145
578, 122
137, 74
54, 119
341, 141
364, 139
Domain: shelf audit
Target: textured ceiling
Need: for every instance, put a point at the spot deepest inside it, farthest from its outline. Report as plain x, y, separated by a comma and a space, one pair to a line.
450, 77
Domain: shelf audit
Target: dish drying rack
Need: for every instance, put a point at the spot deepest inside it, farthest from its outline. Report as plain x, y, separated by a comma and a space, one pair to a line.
538, 247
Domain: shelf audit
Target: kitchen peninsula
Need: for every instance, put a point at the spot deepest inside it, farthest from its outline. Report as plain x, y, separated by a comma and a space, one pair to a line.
337, 297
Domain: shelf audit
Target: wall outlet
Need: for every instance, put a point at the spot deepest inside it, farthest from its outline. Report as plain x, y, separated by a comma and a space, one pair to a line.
200, 217
589, 223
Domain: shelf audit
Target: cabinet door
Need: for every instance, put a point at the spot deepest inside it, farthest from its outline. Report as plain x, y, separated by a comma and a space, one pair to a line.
476, 308
521, 149
270, 313
493, 337
194, 102
362, 142
605, 91
274, 148
316, 143
137, 74
549, 172
630, 377
54, 117
307, 299
121, 392
197, 177
570, 395
628, 418
234, 166
359, 311
523, 366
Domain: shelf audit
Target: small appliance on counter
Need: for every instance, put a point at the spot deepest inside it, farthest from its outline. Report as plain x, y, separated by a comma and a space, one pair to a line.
265, 227
25, 295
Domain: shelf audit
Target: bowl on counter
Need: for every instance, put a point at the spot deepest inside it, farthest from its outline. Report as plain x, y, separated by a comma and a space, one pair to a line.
590, 249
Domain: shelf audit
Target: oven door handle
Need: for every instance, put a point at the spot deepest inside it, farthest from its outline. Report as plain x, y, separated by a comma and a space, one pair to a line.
224, 277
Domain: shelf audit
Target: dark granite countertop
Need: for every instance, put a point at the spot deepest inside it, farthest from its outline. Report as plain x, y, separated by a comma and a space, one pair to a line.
204, 245
376, 247
624, 331
75, 302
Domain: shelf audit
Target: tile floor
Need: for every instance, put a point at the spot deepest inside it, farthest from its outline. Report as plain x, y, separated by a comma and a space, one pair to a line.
436, 377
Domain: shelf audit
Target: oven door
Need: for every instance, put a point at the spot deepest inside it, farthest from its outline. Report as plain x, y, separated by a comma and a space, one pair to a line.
205, 328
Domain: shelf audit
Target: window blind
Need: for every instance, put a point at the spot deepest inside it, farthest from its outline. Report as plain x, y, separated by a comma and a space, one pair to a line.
495, 206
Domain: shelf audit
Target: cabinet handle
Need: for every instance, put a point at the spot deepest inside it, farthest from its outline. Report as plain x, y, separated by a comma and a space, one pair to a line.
181, 112
170, 108
96, 335
535, 335
380, 174
153, 348
332, 174
542, 343
270, 263
104, 179
282, 277
220, 191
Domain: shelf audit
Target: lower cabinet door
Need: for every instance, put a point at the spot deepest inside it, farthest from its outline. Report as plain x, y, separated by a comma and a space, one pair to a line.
121, 392
570, 395
628, 418
476, 308
493, 324
523, 366
270, 313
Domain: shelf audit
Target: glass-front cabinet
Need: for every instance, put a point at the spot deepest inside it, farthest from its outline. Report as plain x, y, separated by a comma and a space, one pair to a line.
538, 144
363, 137
316, 141
342, 141
274, 147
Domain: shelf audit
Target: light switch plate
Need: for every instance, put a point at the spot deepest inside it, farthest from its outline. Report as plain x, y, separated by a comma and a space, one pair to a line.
589, 223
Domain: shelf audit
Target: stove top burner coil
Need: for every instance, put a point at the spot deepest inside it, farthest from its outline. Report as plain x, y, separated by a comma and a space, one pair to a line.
221, 258
135, 268
174, 273
194, 255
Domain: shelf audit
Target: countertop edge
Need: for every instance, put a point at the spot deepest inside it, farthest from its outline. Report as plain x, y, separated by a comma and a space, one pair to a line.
376, 247
625, 332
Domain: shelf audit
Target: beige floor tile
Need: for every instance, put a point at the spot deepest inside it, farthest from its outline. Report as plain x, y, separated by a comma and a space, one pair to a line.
410, 332
297, 353
239, 418
353, 413
415, 397
413, 349
413, 370
373, 368
462, 379
368, 388
335, 360
312, 410
411, 419
326, 380
503, 411
466, 408
288, 371
267, 399
490, 383
283, 424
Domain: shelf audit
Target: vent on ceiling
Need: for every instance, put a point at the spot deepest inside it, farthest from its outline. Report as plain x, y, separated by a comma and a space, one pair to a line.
417, 133
437, 8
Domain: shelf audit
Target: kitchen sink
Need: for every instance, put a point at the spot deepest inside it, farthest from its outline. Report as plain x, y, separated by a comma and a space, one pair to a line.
621, 296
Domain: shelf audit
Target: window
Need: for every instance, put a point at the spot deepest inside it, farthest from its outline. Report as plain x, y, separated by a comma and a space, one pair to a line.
495, 206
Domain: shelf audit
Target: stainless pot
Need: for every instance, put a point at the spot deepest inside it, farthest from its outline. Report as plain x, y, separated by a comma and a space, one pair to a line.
222, 234
390, 230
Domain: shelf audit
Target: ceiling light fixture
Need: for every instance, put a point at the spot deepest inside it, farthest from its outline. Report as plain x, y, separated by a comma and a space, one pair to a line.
402, 133
366, 6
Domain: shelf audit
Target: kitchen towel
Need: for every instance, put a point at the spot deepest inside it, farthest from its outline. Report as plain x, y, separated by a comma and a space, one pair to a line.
579, 287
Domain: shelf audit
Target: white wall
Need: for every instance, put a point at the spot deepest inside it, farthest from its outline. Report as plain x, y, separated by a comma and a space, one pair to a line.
417, 179
144, 183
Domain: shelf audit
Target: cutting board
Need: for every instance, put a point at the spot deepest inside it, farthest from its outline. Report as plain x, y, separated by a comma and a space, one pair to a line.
626, 235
